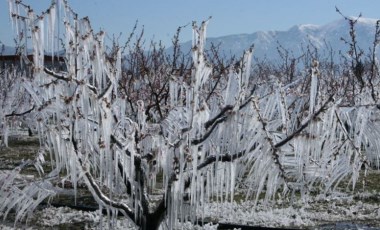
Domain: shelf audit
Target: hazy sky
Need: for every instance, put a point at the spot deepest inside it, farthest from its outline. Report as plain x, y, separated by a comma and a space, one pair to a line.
162, 17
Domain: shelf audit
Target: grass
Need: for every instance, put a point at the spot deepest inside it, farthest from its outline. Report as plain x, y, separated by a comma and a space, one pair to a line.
29, 141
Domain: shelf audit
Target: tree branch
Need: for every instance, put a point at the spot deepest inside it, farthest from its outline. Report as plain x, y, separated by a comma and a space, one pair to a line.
14, 114
223, 158
106, 200
304, 125
105, 91
200, 140
56, 75
269, 139
221, 114
95, 188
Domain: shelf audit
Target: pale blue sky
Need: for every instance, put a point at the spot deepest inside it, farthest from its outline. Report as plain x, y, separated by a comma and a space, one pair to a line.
162, 17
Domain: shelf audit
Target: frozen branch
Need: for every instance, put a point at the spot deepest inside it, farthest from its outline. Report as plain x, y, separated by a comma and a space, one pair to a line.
217, 117
214, 122
106, 90
209, 132
357, 149
56, 75
305, 124
106, 200
223, 158
269, 139
14, 114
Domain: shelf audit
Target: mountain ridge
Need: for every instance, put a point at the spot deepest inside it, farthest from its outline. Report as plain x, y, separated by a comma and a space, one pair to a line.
295, 39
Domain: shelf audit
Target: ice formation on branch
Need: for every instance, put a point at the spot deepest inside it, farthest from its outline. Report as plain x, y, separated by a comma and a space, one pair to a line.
217, 132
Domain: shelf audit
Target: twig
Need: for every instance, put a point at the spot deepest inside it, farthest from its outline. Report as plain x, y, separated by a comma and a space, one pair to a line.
14, 114
304, 125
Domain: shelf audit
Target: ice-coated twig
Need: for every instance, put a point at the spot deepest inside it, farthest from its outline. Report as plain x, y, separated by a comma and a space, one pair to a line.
15, 114
305, 124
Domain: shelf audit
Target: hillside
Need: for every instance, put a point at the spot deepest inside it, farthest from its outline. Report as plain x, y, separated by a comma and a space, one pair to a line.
296, 39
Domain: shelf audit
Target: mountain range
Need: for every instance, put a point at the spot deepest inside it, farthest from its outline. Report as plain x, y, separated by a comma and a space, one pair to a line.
296, 39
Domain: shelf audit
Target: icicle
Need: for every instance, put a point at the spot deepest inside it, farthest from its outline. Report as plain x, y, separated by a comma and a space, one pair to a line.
313, 87
11, 12
203, 69
247, 60
52, 24
232, 177
141, 117
233, 88
173, 91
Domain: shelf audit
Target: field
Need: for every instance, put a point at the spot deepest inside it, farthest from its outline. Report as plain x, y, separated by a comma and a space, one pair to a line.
345, 209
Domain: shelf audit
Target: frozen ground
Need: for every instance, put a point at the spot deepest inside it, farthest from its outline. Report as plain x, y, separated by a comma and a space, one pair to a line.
349, 212
321, 211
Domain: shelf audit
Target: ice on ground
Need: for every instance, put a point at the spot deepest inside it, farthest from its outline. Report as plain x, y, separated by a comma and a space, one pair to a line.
319, 211
66, 217
337, 208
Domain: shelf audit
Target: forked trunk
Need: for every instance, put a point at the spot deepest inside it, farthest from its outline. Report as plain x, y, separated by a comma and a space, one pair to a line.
152, 221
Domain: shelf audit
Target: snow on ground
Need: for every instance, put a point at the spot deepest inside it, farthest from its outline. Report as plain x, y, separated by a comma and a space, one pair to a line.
320, 211
329, 210
67, 218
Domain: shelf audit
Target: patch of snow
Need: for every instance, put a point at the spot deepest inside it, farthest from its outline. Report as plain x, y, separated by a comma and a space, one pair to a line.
336, 208
307, 27
368, 21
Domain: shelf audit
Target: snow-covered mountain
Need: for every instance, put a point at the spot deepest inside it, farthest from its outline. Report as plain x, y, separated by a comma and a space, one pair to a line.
297, 38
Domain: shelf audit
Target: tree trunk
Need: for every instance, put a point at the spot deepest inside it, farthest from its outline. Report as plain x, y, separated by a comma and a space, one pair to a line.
152, 221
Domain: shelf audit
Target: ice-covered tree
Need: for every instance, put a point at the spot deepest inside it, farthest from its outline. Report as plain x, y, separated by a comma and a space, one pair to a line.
220, 129
15, 102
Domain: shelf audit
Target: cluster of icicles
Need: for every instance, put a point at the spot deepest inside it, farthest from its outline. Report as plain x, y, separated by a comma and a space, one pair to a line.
218, 136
